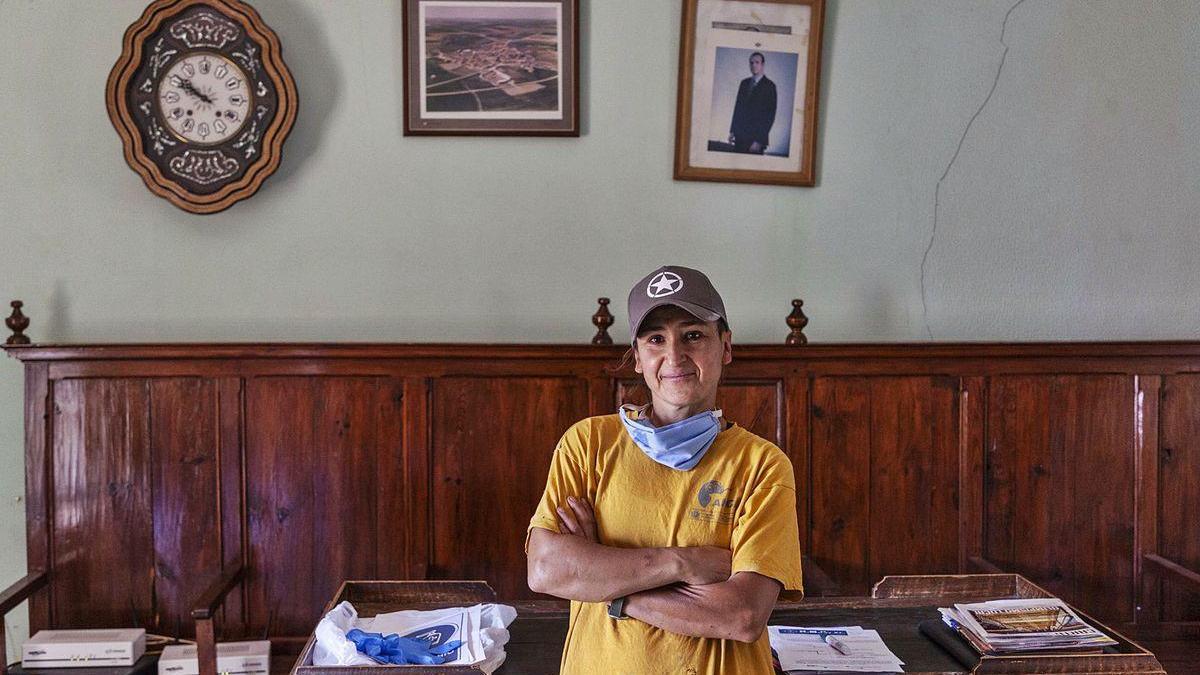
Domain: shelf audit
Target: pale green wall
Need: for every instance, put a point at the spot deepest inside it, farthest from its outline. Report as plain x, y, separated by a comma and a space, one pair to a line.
1070, 212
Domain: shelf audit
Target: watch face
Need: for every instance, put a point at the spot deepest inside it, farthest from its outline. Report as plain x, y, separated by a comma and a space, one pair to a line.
204, 98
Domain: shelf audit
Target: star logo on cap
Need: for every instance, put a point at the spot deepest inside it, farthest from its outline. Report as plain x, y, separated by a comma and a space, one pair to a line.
663, 284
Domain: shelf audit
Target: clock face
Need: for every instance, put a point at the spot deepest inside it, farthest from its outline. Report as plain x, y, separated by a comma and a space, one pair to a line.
204, 98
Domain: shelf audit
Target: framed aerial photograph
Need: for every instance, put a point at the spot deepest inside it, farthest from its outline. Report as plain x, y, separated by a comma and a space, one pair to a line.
747, 98
491, 67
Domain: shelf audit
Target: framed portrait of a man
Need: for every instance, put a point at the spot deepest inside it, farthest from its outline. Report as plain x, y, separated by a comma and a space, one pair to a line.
491, 67
748, 88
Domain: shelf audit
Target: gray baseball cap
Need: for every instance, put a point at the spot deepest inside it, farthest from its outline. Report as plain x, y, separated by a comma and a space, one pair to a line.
683, 287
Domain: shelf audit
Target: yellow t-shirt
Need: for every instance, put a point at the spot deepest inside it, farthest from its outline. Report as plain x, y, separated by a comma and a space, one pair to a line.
741, 496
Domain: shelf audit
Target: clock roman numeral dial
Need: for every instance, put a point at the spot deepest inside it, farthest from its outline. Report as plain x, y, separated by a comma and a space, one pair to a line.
202, 97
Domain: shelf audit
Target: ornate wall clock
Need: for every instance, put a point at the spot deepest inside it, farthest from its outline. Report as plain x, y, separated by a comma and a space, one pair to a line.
202, 101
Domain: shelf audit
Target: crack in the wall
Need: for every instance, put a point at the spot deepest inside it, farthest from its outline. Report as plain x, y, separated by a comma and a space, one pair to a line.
937, 190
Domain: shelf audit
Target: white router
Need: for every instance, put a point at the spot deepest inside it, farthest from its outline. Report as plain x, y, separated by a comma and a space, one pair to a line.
83, 648
233, 658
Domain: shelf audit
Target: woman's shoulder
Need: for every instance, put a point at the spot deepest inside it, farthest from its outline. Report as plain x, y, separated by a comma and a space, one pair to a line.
591, 430
758, 450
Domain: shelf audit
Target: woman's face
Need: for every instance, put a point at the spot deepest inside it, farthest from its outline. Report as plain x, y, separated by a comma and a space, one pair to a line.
681, 358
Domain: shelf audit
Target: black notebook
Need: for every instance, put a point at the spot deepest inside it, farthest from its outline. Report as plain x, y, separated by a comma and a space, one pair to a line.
945, 637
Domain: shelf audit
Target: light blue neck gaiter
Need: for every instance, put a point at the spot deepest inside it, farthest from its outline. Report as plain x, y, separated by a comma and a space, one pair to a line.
680, 445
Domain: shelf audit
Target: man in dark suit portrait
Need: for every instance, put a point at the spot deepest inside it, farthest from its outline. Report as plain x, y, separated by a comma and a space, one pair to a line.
754, 112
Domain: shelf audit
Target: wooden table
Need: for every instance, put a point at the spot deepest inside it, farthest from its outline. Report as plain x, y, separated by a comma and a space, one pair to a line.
895, 608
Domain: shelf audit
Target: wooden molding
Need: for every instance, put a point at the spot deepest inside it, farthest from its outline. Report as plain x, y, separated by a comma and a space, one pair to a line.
1173, 572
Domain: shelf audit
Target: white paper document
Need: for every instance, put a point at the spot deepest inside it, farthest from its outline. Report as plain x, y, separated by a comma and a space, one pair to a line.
805, 648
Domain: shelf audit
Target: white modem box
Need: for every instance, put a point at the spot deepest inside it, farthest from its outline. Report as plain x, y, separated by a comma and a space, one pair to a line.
84, 648
233, 658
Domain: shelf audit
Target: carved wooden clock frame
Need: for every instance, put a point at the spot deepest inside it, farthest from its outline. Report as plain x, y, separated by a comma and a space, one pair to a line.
201, 178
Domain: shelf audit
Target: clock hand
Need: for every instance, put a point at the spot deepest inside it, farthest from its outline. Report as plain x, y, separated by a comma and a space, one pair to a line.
186, 85
189, 88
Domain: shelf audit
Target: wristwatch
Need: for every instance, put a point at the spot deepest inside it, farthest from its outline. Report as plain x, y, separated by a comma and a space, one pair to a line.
616, 608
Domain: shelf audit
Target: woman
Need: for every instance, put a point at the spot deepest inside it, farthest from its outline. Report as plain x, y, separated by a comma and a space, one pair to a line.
671, 530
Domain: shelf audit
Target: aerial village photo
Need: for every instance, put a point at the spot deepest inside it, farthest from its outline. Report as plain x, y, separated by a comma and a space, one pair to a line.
486, 58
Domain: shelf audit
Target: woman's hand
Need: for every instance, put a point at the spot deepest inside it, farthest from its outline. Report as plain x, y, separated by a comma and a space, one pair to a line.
706, 565
578, 518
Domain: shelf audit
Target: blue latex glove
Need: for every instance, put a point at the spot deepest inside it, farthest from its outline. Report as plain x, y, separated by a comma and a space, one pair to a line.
401, 651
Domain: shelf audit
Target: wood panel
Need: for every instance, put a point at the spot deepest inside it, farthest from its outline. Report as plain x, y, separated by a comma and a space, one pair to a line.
1179, 489
1059, 490
972, 413
39, 492
914, 476
841, 494
186, 515
313, 450
103, 547
230, 456
383, 460
885, 457
796, 427
756, 406
1147, 599
410, 504
492, 440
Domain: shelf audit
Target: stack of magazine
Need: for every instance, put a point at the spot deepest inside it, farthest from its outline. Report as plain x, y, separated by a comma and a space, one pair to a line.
1024, 626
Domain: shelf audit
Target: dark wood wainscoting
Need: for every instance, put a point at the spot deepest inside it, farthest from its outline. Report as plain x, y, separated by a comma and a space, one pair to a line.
152, 468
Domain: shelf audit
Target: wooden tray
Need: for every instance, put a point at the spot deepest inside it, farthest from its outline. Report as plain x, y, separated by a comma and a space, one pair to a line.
948, 589
371, 598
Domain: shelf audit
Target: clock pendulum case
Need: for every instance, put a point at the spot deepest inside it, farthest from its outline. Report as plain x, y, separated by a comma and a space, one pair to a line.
202, 101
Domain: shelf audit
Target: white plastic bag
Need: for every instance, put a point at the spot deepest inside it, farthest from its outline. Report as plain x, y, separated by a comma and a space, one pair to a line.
332, 647
484, 632
494, 634
482, 628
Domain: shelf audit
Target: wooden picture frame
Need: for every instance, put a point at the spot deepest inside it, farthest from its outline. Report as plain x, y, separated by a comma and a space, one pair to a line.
730, 126
459, 80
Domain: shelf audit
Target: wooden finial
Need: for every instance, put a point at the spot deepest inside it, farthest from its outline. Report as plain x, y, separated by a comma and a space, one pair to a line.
602, 319
17, 323
797, 321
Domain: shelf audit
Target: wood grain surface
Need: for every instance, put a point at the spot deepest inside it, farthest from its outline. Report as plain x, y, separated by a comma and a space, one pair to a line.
152, 469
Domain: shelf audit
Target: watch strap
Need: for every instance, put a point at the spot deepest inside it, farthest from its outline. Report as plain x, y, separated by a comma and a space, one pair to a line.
616, 607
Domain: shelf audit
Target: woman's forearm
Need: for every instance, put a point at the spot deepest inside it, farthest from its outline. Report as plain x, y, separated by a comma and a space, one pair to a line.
574, 568
737, 609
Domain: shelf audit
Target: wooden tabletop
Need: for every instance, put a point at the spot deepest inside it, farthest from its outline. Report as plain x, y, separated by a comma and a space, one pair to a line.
537, 637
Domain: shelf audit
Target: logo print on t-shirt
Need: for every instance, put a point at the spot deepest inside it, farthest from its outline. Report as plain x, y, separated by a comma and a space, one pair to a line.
664, 284
707, 490
716, 505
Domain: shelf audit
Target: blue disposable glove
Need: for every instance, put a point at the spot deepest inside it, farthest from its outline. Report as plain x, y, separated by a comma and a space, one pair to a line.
401, 651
